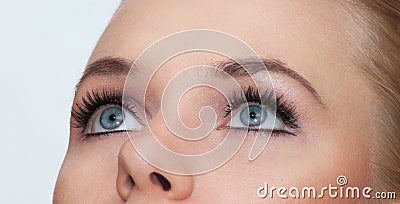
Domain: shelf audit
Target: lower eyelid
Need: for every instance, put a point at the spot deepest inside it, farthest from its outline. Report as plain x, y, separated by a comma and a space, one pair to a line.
260, 131
279, 132
103, 135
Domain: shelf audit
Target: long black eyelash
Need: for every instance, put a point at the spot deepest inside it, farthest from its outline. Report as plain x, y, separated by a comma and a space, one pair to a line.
284, 110
94, 99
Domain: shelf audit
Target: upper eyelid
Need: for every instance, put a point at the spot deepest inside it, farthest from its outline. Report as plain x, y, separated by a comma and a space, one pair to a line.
84, 110
144, 113
135, 110
251, 94
88, 104
99, 110
283, 109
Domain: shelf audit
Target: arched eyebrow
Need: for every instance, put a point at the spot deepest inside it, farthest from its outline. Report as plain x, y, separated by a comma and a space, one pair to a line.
115, 66
107, 66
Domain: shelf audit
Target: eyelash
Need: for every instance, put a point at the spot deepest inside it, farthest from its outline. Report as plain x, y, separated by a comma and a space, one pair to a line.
284, 110
82, 112
92, 101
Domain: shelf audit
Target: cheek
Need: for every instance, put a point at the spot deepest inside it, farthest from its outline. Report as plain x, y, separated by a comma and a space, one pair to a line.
83, 180
89, 173
292, 162
349, 132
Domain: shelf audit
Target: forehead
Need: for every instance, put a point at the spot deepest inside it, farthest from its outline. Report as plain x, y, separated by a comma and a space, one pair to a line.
308, 35
276, 28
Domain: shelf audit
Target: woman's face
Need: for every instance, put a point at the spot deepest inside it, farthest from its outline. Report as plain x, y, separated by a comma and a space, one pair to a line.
324, 106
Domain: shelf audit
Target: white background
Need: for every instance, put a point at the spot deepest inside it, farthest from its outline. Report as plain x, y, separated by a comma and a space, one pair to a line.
44, 46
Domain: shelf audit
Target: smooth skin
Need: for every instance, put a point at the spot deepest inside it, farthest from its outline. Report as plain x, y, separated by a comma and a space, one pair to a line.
310, 36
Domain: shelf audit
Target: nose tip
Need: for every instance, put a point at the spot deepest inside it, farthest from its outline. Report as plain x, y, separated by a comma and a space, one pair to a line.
138, 178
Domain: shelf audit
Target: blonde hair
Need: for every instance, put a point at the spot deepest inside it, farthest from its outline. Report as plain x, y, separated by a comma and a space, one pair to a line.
378, 25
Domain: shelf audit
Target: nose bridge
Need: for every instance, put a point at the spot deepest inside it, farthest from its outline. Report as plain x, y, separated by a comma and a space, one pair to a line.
166, 135
137, 178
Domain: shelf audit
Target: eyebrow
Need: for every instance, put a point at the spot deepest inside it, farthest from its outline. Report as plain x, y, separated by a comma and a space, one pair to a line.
115, 66
107, 66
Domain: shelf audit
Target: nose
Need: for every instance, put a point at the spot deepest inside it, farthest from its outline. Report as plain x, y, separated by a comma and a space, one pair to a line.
138, 180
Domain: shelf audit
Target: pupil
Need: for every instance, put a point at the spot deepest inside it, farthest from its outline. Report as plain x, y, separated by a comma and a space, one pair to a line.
253, 115
112, 117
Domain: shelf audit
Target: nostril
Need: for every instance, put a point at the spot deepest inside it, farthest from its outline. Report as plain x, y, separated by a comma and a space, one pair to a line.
130, 182
161, 180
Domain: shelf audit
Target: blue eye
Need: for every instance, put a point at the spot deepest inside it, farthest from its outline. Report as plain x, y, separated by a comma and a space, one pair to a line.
111, 119
255, 117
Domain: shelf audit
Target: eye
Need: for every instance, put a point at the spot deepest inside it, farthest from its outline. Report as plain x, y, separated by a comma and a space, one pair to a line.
255, 117
111, 119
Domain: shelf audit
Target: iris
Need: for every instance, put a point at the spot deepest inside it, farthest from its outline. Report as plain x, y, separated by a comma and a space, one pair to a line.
111, 118
253, 115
